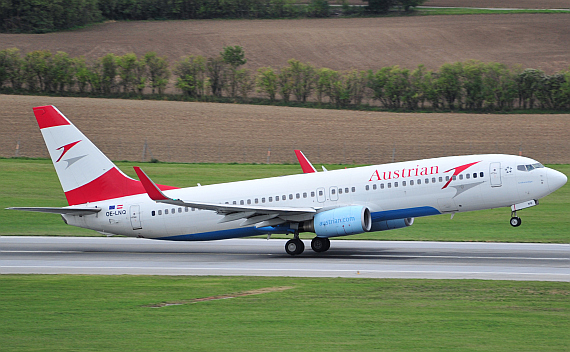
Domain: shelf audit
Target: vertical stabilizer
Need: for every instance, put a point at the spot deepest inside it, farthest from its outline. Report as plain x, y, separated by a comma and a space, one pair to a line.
85, 173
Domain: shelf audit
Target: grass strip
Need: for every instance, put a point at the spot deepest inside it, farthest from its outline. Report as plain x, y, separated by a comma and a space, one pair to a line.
111, 313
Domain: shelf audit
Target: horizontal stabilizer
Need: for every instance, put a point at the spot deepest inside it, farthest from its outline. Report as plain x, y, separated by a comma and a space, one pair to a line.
70, 211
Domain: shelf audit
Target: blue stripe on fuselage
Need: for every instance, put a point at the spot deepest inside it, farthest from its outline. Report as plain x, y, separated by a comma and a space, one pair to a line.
252, 231
404, 213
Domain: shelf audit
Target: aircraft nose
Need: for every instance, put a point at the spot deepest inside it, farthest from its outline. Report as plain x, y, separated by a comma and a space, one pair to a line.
555, 179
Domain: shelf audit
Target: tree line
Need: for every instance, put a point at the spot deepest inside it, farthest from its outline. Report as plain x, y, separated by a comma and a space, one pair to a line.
470, 85
40, 16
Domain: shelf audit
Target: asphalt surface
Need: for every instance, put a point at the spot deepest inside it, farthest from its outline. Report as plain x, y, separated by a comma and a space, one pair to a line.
260, 257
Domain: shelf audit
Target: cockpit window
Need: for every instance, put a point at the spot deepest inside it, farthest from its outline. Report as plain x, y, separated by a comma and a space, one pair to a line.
529, 167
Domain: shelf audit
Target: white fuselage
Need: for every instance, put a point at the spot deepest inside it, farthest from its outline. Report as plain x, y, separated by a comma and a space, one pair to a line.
390, 191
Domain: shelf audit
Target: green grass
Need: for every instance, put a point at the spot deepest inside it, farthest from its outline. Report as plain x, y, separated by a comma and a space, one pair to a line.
110, 313
35, 183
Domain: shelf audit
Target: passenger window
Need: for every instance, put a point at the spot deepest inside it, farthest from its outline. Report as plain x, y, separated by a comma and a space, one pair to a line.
173, 211
419, 182
481, 174
304, 194
193, 209
403, 183
180, 210
298, 196
263, 200
454, 178
461, 177
320, 193
290, 196
374, 187
283, 197
353, 189
411, 182
441, 179
468, 176
241, 202
474, 175
381, 186
346, 190
249, 201
395, 184
389, 185
234, 202
367, 187
186, 208
271, 199
427, 181
256, 200
165, 211
313, 194
160, 212
153, 213
340, 191
333, 191
433, 180
446, 178
276, 198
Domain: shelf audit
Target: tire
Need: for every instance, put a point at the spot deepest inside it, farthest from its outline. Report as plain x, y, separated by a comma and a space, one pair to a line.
294, 247
320, 244
516, 221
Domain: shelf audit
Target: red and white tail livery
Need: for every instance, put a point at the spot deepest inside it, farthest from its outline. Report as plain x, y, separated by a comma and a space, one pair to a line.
330, 204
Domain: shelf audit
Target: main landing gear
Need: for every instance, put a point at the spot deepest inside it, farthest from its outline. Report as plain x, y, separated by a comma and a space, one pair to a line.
515, 220
295, 246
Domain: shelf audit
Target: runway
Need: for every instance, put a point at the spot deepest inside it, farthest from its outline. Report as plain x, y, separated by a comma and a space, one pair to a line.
260, 257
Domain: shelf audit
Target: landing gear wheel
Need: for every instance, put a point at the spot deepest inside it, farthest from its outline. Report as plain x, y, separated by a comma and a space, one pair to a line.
320, 244
294, 247
516, 221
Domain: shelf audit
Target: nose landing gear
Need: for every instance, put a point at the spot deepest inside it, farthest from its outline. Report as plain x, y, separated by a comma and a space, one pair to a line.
515, 220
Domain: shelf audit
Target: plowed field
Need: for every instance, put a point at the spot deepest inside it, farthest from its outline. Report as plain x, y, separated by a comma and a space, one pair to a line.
204, 132
532, 40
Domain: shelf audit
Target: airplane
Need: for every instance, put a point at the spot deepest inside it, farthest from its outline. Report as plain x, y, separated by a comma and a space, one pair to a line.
330, 204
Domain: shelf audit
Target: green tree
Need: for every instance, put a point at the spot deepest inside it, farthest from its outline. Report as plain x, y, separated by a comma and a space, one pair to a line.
379, 6
377, 83
528, 83
266, 82
473, 72
285, 83
216, 78
158, 72
356, 81
302, 79
318, 8
191, 72
37, 65
82, 73
246, 82
449, 83
234, 57
63, 72
126, 69
431, 90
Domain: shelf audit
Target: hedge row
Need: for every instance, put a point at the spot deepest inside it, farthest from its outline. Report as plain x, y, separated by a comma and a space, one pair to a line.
470, 85
39, 16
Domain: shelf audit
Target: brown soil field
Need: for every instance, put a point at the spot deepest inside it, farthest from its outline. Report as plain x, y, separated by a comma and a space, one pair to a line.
531, 40
512, 4
205, 132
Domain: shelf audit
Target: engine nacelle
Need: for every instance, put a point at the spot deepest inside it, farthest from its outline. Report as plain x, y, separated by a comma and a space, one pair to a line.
340, 222
392, 224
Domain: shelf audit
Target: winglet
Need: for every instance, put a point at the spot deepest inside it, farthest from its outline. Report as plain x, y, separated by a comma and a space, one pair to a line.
305, 163
149, 186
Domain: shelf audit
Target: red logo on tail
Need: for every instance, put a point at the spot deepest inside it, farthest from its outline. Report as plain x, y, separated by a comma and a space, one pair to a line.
66, 149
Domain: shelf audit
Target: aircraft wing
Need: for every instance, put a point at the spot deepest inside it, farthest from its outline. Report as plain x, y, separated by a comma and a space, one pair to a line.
261, 216
54, 210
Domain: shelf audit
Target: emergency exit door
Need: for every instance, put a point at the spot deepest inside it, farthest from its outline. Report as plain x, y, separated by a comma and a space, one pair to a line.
495, 174
135, 217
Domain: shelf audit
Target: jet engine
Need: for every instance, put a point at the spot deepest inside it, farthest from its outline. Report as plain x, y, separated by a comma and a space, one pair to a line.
339, 222
392, 224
